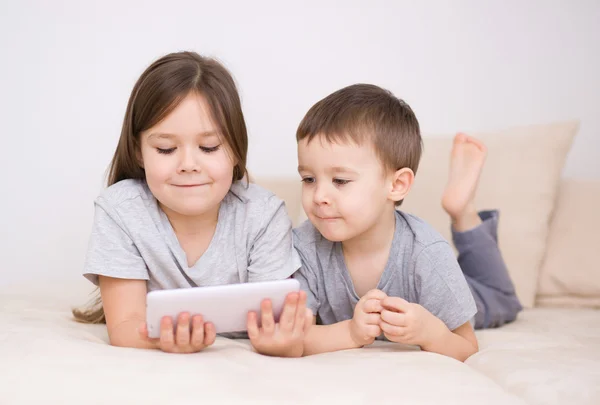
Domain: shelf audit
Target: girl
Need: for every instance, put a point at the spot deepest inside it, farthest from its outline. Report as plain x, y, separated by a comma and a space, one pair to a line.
179, 213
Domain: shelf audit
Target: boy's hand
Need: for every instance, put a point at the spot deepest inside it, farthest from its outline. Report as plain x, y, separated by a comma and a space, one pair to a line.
365, 324
286, 338
404, 322
187, 337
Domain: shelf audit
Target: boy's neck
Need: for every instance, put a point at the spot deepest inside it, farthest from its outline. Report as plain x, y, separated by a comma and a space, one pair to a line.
377, 238
185, 225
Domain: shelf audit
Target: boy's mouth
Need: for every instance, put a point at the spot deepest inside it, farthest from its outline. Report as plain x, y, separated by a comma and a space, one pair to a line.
326, 217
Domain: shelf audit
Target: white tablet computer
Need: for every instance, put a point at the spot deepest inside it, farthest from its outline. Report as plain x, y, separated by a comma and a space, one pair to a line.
226, 306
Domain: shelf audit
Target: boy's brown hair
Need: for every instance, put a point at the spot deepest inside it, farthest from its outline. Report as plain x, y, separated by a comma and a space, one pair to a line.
158, 91
367, 113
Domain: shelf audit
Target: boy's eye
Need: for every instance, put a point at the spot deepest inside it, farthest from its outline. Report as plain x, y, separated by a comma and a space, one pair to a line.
165, 151
210, 150
341, 182
308, 180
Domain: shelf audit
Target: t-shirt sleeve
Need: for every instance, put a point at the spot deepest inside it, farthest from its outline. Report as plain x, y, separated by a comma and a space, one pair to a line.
111, 252
441, 286
272, 255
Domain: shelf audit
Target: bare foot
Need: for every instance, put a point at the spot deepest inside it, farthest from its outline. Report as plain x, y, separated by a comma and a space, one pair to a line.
466, 162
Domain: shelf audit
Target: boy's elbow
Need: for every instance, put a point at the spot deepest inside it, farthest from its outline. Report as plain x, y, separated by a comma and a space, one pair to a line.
474, 348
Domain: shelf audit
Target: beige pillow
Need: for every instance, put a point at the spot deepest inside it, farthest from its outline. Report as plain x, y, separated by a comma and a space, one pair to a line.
520, 179
570, 274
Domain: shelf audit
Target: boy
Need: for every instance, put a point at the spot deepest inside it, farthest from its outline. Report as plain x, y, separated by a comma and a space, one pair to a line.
368, 269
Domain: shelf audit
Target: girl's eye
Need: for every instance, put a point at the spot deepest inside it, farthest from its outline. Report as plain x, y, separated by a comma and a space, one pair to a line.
165, 151
341, 182
210, 150
308, 180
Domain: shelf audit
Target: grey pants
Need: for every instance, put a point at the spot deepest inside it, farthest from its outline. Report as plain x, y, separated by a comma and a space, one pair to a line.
482, 264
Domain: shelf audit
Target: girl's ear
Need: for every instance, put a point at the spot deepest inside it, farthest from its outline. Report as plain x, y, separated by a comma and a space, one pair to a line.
138, 158
402, 181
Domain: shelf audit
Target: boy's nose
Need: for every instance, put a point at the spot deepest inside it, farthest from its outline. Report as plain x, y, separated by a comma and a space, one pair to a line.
320, 196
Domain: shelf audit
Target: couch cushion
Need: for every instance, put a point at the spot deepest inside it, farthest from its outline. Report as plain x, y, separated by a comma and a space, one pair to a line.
570, 275
520, 178
548, 356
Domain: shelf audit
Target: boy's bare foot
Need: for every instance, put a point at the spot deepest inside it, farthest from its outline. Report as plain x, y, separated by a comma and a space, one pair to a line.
466, 163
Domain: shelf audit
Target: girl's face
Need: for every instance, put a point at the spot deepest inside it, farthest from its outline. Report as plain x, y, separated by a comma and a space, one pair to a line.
189, 168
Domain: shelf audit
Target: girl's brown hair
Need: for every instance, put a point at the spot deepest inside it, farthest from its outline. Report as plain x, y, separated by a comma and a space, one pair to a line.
162, 86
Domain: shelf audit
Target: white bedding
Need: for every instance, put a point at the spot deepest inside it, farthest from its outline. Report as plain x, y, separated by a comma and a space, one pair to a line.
47, 358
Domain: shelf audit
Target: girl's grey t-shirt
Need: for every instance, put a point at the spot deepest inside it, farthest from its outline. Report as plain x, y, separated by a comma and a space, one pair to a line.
422, 268
132, 238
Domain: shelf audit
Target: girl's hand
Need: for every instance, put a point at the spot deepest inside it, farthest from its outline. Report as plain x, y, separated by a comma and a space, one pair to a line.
190, 336
286, 338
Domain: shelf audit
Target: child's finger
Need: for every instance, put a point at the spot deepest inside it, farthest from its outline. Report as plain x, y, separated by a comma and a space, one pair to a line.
393, 318
396, 304
210, 334
372, 305
143, 331
300, 313
182, 334
288, 314
252, 325
370, 331
392, 329
373, 330
309, 319
166, 333
371, 319
197, 331
268, 323
375, 294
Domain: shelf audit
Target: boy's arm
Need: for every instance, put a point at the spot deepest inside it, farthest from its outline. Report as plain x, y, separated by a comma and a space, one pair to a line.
444, 305
361, 330
410, 323
329, 338
460, 343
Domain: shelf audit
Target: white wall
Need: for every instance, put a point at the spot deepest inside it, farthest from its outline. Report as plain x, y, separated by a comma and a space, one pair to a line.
67, 69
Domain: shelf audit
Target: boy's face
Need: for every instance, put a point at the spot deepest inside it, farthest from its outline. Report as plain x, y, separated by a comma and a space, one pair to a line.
345, 188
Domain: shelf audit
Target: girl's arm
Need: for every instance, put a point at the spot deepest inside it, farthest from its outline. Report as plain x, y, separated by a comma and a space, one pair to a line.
124, 304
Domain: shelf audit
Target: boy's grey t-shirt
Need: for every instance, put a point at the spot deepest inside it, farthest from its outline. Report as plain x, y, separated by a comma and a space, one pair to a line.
132, 238
422, 268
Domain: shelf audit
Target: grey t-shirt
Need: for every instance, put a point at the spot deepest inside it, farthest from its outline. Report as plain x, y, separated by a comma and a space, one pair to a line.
422, 268
132, 238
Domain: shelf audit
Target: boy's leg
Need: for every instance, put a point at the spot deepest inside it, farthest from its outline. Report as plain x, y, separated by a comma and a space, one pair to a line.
475, 237
481, 261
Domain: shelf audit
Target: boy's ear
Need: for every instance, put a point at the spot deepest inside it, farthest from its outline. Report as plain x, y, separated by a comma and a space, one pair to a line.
402, 181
